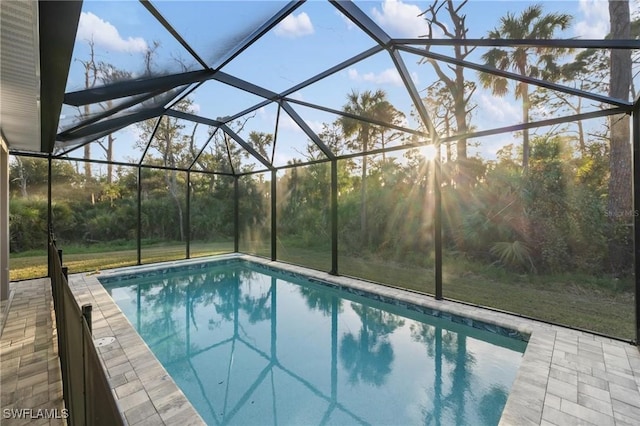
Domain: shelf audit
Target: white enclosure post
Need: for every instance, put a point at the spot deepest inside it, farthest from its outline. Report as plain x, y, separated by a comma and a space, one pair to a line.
4, 220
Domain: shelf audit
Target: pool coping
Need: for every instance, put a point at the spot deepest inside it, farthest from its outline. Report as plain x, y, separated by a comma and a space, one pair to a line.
566, 376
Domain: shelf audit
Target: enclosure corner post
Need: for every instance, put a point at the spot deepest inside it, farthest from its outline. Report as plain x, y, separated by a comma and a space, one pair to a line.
139, 222
236, 214
188, 221
437, 221
334, 217
635, 134
49, 210
274, 218
4, 220
86, 314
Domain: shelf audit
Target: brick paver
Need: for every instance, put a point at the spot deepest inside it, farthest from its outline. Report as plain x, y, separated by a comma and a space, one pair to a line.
30, 380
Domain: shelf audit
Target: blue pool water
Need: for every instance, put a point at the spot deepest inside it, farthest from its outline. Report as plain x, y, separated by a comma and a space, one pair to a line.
252, 346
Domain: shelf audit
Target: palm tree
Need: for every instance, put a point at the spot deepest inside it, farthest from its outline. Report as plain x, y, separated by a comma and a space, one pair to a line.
263, 143
525, 60
368, 354
375, 106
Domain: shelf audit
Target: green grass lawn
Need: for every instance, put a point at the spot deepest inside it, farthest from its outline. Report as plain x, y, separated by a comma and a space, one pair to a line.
600, 304
82, 259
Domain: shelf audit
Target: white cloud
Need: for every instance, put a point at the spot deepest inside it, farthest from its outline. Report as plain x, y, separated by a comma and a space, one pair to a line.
103, 33
297, 95
353, 74
595, 22
400, 19
287, 123
350, 25
315, 125
415, 78
499, 110
294, 26
388, 76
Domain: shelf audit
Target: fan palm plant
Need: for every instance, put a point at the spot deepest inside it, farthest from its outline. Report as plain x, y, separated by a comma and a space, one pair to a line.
529, 61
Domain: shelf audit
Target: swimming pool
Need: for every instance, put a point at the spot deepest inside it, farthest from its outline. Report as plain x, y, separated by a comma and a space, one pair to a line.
251, 345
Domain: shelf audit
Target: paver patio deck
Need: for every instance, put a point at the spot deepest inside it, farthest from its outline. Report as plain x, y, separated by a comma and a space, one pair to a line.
30, 380
567, 377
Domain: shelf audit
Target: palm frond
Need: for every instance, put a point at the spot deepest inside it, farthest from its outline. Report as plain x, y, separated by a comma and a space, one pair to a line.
514, 254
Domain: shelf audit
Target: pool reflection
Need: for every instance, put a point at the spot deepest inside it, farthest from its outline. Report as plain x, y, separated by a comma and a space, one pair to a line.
248, 348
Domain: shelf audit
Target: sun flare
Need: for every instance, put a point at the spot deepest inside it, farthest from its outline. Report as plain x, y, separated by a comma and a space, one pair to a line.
429, 152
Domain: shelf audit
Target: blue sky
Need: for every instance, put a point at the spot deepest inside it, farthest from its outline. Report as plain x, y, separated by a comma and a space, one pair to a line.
314, 38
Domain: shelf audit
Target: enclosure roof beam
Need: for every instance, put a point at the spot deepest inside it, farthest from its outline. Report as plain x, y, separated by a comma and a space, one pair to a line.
345, 64
330, 71
357, 117
289, 166
362, 21
226, 144
413, 93
518, 77
305, 127
229, 119
156, 14
246, 146
177, 98
135, 87
85, 141
108, 113
151, 136
504, 42
192, 117
260, 31
491, 132
540, 123
197, 157
124, 164
111, 125
245, 85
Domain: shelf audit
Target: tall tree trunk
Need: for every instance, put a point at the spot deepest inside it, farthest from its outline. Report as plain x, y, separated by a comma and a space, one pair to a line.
581, 142
447, 130
524, 92
89, 82
110, 141
455, 84
109, 150
172, 185
87, 152
363, 190
22, 178
171, 180
460, 103
578, 109
619, 206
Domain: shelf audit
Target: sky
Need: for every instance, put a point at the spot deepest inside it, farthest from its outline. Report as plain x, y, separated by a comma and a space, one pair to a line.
315, 37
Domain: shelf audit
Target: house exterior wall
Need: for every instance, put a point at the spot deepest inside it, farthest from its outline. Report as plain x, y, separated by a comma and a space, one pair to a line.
4, 220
